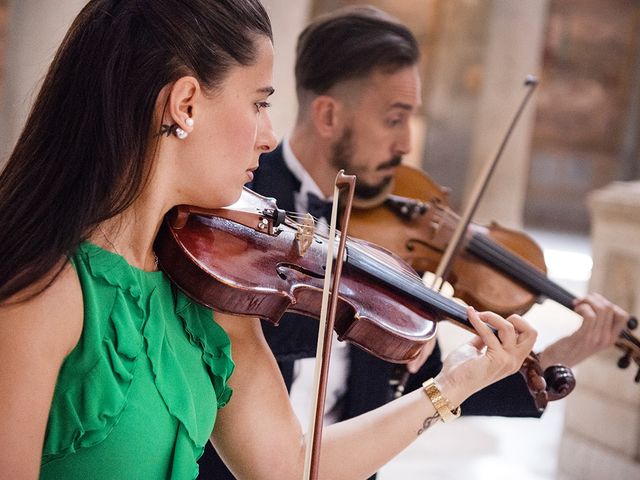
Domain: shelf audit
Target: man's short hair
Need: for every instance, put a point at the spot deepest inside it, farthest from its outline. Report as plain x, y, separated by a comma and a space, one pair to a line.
351, 43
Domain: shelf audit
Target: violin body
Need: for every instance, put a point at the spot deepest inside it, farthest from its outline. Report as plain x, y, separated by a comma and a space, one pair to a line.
251, 259
237, 263
419, 233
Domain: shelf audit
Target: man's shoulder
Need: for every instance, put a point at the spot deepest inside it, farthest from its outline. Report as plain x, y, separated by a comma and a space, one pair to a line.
272, 161
274, 179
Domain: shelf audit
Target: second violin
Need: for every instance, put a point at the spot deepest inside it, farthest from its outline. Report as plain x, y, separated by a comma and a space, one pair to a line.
498, 269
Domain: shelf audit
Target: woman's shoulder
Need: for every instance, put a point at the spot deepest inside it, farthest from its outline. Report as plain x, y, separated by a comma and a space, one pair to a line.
48, 311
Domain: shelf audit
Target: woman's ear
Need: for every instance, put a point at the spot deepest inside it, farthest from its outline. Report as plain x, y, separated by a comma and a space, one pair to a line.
182, 103
327, 113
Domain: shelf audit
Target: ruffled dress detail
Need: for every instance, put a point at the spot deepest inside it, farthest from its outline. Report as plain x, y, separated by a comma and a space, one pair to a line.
138, 395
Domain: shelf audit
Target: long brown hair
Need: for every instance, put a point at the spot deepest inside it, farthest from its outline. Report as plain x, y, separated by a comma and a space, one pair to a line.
83, 154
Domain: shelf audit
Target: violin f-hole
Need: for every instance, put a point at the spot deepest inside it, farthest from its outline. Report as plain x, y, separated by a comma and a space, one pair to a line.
282, 269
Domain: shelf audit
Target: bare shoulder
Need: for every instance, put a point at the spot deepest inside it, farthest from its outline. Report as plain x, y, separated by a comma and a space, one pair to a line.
52, 318
38, 329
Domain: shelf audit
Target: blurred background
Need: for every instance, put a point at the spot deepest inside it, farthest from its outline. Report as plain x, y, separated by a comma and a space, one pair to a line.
568, 178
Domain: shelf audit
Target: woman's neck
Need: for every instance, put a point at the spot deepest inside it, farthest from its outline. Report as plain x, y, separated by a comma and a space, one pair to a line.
131, 234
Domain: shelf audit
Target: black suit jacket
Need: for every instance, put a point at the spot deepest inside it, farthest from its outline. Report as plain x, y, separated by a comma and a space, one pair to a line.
369, 377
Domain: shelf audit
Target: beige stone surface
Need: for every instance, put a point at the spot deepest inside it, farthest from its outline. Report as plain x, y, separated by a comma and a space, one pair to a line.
603, 421
585, 460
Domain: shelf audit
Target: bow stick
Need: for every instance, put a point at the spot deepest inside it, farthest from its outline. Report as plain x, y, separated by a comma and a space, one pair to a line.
325, 329
453, 248
446, 262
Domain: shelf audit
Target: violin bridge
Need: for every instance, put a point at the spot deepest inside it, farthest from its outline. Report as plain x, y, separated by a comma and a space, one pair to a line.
304, 235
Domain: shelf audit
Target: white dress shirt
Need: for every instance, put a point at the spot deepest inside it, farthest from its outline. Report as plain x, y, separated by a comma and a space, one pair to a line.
303, 390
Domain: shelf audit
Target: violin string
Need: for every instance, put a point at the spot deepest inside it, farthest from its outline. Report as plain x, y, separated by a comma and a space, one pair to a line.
630, 338
538, 279
301, 216
397, 277
352, 245
514, 266
409, 282
406, 281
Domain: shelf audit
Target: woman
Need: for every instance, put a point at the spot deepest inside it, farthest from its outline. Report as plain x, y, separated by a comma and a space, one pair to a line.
106, 370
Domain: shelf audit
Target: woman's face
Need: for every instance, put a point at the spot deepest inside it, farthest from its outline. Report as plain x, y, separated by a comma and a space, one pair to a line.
231, 129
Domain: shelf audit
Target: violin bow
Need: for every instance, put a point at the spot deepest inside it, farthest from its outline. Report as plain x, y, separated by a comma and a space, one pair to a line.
453, 248
325, 329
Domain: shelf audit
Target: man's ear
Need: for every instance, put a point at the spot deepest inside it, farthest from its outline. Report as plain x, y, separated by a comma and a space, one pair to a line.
328, 115
182, 102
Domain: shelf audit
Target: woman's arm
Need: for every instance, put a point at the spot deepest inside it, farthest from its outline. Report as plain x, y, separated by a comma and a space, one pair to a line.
35, 337
259, 437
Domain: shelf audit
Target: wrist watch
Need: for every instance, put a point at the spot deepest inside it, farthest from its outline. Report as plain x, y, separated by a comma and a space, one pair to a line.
446, 411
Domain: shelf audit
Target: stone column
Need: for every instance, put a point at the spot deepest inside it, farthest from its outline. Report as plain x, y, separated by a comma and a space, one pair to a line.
515, 40
453, 77
602, 422
36, 28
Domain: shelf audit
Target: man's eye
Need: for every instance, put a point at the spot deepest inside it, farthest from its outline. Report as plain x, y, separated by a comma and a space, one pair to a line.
261, 105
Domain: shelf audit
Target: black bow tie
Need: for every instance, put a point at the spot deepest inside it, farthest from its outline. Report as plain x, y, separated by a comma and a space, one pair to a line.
318, 208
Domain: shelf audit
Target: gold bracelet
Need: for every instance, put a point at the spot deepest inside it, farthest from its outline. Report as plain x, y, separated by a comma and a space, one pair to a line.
442, 405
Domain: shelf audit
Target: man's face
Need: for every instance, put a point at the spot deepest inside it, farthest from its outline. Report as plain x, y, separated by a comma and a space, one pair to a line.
377, 131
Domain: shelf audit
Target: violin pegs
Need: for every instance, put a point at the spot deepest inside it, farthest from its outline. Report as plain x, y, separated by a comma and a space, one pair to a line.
625, 360
632, 323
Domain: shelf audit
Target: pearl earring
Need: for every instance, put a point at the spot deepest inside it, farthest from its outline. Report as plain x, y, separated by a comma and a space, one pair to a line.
180, 133
189, 122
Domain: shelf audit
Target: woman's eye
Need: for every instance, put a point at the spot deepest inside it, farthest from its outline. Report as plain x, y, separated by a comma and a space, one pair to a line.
261, 105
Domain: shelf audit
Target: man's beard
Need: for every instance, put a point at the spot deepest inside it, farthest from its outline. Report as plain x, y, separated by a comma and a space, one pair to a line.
342, 159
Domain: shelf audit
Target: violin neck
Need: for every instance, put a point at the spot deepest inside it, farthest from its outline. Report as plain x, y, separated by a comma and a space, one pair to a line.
409, 288
520, 270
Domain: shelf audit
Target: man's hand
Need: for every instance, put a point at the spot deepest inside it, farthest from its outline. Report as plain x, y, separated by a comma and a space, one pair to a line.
602, 322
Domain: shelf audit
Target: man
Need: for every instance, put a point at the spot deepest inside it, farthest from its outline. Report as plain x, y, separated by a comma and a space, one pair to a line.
358, 85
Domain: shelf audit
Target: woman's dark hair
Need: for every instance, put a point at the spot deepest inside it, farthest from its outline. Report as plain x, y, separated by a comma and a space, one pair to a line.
84, 153
351, 43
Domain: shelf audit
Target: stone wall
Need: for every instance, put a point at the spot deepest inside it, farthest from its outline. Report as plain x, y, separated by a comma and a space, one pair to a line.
602, 421
587, 114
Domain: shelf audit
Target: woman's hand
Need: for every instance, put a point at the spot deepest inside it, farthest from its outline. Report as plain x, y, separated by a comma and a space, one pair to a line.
488, 357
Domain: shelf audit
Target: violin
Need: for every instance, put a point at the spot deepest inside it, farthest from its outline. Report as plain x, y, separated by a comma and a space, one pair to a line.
252, 259
498, 269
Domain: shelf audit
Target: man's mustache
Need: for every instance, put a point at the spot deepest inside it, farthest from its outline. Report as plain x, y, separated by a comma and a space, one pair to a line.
394, 162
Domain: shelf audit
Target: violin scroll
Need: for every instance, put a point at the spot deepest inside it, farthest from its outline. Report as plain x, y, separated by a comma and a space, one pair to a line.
560, 381
555, 383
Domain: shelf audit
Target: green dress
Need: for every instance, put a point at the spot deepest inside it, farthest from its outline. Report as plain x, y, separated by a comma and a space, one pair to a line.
138, 396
